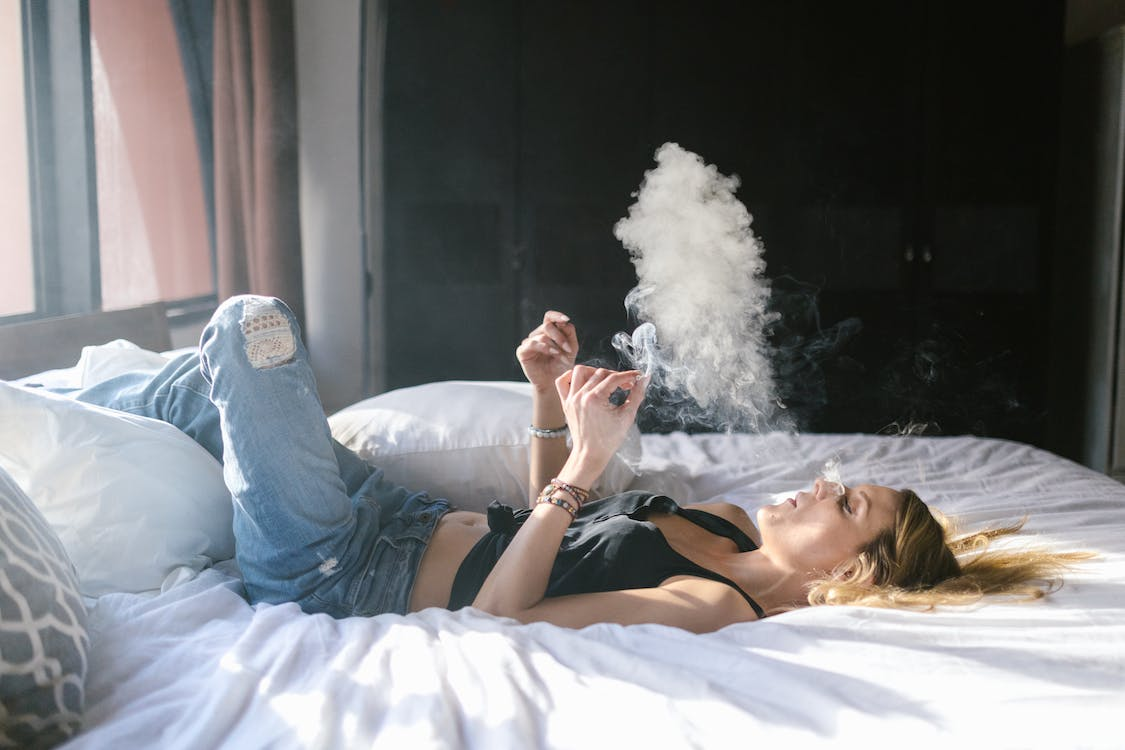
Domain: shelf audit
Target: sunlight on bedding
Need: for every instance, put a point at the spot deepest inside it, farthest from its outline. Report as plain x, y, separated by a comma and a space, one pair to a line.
303, 712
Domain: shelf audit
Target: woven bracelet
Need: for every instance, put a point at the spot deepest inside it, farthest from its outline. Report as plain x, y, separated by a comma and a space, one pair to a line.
580, 495
558, 501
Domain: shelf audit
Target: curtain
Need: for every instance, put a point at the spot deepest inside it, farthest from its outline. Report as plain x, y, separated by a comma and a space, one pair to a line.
193, 21
240, 61
257, 223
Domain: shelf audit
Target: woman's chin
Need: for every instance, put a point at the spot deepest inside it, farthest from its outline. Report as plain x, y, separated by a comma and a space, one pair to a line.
767, 514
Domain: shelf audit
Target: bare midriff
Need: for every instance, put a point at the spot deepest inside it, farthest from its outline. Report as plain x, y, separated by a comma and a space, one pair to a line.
455, 534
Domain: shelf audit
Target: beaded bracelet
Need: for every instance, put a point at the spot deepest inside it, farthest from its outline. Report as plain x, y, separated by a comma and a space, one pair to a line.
550, 490
549, 495
558, 501
546, 433
580, 495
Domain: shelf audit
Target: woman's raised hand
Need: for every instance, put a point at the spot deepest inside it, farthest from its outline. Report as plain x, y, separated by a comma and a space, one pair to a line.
548, 351
598, 425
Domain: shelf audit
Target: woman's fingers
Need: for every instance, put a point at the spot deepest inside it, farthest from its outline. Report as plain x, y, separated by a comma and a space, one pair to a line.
558, 336
583, 375
636, 394
595, 379
611, 380
628, 391
554, 316
541, 343
561, 331
600, 385
564, 382
542, 346
558, 332
578, 379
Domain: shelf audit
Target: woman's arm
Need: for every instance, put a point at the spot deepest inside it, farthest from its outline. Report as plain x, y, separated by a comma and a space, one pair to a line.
696, 604
519, 580
547, 454
545, 354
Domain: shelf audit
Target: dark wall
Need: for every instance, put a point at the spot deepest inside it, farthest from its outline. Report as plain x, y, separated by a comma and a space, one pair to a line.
898, 158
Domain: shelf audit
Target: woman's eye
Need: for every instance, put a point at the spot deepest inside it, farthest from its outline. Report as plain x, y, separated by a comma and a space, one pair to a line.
846, 505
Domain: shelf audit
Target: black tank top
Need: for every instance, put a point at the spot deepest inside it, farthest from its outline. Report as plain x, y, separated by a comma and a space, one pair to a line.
611, 546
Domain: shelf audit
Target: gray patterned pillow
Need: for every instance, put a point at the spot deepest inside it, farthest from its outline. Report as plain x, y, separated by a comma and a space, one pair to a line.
43, 638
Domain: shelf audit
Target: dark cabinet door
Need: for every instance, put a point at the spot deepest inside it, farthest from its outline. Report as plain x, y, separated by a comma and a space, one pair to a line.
584, 93
958, 344
850, 227
986, 211
450, 158
991, 133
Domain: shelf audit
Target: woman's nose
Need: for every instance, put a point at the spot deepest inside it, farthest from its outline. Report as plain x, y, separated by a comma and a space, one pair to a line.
822, 488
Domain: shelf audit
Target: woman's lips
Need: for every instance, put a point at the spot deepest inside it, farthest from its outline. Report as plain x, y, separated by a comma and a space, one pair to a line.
793, 502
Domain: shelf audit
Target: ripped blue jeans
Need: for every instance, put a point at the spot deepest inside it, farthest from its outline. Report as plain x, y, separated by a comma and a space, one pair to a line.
313, 523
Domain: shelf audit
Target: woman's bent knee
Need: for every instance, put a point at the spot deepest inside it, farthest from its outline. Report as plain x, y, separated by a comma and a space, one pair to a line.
266, 324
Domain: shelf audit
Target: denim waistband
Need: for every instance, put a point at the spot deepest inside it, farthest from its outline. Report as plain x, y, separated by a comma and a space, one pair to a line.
395, 530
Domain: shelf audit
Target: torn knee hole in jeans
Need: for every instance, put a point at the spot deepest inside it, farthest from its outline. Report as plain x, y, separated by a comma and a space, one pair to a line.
269, 339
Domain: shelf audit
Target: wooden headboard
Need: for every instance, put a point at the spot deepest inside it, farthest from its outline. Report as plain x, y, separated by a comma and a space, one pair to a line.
38, 345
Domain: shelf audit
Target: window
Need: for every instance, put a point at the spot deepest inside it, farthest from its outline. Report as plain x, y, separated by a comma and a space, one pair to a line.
152, 222
17, 282
101, 164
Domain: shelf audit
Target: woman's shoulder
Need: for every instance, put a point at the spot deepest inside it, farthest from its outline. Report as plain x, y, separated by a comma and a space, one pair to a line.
733, 513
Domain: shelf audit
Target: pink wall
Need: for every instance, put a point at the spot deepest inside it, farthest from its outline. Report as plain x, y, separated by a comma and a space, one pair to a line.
17, 290
152, 220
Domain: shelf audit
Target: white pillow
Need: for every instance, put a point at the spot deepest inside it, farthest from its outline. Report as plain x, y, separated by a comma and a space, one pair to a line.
99, 363
462, 440
132, 499
119, 356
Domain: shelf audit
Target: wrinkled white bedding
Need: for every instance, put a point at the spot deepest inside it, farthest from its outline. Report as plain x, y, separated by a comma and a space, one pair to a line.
197, 667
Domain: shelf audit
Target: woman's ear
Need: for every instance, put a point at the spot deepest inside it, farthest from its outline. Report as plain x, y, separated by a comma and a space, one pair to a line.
856, 571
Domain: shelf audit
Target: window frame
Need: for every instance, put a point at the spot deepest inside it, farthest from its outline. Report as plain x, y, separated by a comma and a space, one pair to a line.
60, 144
62, 168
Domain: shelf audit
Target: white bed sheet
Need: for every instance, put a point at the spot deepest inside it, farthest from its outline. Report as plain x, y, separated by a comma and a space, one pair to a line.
197, 667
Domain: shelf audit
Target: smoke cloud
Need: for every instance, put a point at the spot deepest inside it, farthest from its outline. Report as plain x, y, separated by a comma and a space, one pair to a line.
702, 299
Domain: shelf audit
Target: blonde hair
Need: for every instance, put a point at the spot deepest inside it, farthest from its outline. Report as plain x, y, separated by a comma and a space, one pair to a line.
921, 562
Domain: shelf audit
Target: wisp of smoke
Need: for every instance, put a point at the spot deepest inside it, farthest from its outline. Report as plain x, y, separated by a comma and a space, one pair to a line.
701, 297
830, 472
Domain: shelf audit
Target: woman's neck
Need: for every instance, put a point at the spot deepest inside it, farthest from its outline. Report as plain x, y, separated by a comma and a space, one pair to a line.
776, 588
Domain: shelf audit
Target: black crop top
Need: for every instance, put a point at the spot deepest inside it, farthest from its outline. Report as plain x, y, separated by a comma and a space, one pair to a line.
611, 546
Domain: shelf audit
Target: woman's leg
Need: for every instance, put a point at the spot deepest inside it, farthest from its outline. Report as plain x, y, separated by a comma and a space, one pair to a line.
177, 394
294, 521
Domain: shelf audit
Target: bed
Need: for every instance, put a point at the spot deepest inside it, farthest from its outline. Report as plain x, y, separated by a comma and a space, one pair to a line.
187, 663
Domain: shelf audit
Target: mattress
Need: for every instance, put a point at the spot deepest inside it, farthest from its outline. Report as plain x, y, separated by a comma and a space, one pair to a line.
196, 666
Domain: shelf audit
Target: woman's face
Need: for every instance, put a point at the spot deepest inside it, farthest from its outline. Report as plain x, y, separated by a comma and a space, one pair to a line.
819, 529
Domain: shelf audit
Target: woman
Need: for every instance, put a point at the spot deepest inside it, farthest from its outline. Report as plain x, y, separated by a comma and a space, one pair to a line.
316, 525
